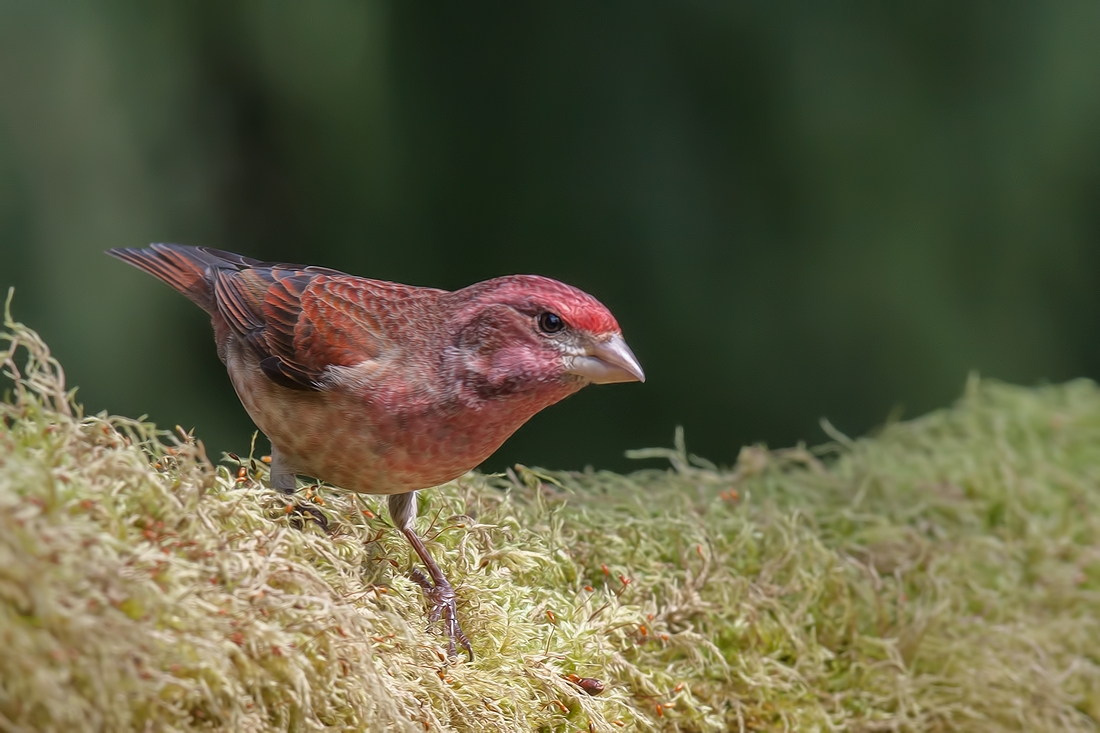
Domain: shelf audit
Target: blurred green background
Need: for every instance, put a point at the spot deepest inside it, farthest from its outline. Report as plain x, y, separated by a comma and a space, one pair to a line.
795, 210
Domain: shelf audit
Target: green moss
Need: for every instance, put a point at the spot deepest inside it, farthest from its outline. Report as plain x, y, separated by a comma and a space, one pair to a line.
942, 575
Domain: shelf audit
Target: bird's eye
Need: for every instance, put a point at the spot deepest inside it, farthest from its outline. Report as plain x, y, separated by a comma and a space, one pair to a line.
550, 322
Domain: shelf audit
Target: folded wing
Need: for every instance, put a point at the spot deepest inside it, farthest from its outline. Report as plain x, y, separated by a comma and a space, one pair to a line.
299, 321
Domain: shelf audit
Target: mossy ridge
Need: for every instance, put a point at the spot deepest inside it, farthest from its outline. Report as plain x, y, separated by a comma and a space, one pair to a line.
942, 575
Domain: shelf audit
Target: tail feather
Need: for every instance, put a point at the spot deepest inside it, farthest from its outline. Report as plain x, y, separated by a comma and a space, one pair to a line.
190, 270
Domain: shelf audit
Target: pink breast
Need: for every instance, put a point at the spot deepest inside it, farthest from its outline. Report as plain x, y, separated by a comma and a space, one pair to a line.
354, 443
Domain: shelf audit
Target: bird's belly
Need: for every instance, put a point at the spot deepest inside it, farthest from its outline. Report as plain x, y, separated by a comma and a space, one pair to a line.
335, 437
353, 441
332, 438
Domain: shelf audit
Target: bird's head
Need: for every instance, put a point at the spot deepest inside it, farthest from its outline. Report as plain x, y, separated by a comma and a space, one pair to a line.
520, 332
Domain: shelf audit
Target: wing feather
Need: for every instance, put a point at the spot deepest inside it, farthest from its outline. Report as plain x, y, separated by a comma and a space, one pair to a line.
300, 322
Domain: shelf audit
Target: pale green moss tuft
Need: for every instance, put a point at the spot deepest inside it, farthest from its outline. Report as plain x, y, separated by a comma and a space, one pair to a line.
943, 575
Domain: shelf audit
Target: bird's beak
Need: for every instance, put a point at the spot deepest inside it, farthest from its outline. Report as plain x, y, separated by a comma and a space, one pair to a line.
607, 361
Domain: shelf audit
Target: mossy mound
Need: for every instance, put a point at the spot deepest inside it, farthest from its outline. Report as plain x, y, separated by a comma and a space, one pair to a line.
943, 575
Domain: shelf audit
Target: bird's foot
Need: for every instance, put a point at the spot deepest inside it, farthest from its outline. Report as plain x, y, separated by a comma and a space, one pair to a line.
311, 512
441, 602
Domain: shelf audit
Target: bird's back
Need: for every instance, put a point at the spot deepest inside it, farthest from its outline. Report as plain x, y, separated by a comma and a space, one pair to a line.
298, 320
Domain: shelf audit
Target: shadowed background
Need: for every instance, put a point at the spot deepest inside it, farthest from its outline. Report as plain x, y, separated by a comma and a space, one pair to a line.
795, 210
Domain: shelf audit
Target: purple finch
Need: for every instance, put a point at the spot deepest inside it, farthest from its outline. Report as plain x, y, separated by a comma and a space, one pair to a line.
384, 388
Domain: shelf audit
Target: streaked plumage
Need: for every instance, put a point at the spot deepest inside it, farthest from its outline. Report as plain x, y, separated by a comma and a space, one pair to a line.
384, 388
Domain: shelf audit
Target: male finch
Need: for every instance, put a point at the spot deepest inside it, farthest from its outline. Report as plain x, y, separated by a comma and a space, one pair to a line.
384, 388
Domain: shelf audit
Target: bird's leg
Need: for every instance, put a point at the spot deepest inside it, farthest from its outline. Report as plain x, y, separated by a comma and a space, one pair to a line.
282, 478
438, 591
283, 481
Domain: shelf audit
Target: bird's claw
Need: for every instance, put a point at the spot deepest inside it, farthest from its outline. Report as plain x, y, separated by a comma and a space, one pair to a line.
441, 602
311, 512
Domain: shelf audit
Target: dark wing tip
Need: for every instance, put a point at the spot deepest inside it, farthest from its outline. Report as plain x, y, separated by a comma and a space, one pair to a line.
126, 254
285, 375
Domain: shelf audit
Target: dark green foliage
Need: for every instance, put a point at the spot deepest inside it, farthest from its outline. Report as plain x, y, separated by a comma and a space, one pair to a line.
795, 209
